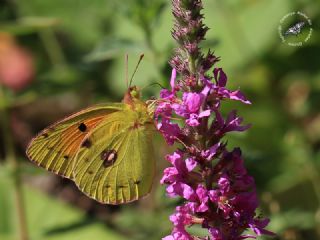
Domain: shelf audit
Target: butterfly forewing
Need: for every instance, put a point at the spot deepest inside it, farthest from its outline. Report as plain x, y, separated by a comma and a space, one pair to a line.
55, 147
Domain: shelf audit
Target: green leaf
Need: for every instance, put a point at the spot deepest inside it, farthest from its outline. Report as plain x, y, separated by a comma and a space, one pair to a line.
113, 47
47, 218
27, 25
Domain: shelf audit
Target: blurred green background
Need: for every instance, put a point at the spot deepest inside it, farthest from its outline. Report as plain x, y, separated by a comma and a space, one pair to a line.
57, 57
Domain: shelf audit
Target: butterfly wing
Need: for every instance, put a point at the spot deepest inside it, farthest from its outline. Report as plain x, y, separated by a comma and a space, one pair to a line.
119, 167
55, 147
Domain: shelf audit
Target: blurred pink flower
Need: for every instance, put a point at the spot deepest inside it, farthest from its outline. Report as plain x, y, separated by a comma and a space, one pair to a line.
16, 64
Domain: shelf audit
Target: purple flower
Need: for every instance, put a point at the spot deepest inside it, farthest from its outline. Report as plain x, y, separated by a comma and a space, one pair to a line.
218, 91
232, 123
220, 77
177, 172
180, 219
181, 189
211, 152
170, 131
217, 191
216, 234
203, 197
194, 119
190, 108
191, 163
177, 177
258, 225
224, 183
192, 101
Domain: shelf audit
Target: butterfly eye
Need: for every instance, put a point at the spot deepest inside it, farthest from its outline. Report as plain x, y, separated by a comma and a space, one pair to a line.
109, 157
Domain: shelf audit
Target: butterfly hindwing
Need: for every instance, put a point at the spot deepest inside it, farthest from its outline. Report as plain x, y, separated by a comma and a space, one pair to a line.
55, 147
119, 166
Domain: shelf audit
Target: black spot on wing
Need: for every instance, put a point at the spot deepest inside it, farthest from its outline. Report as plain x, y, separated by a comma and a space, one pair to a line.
86, 143
109, 157
82, 127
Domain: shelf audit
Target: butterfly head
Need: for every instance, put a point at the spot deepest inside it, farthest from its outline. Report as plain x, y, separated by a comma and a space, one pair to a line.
131, 95
134, 92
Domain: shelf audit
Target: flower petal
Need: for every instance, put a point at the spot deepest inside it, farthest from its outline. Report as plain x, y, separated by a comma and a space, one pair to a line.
173, 78
191, 163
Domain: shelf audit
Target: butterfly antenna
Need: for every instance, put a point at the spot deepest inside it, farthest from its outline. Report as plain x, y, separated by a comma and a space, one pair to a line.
126, 60
156, 83
135, 70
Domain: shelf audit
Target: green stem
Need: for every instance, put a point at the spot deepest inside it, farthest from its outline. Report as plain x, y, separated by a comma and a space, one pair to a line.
10, 159
53, 48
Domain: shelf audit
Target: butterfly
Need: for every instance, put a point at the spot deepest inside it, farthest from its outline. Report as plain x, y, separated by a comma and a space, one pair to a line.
105, 149
296, 29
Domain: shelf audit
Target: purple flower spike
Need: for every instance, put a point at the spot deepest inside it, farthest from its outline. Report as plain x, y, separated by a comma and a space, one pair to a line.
217, 191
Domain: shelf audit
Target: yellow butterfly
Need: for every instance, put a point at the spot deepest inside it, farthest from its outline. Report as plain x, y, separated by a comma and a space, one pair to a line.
105, 149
